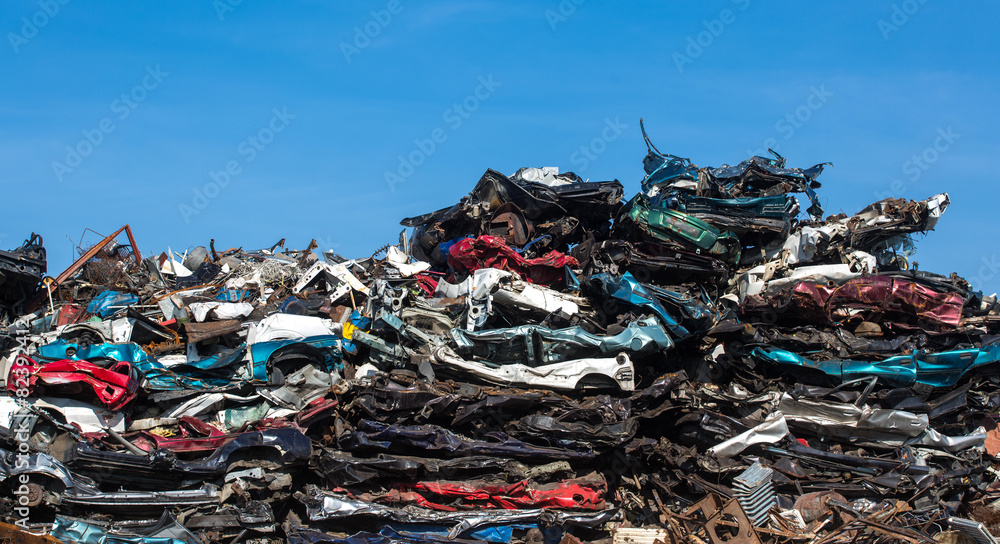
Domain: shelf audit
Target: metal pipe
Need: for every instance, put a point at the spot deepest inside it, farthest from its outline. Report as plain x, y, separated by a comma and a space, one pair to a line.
128, 445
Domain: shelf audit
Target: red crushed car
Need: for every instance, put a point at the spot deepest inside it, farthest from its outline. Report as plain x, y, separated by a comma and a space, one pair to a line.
471, 254
114, 387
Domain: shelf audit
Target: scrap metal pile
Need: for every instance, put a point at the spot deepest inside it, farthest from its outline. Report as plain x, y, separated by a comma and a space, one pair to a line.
544, 361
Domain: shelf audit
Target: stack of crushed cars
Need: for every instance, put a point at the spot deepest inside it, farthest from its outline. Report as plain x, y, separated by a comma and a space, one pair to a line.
544, 361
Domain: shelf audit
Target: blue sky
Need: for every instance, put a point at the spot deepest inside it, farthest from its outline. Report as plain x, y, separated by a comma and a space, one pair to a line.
119, 113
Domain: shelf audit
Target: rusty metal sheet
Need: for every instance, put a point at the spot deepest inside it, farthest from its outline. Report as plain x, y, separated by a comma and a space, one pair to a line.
196, 332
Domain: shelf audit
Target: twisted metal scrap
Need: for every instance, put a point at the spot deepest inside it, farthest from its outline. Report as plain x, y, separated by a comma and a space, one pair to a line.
271, 271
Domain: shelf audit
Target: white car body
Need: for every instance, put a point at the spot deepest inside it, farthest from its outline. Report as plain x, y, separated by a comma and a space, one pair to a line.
566, 375
89, 418
290, 327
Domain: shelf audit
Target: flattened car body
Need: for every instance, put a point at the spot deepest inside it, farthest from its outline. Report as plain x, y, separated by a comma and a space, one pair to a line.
80, 492
566, 375
534, 345
162, 469
114, 387
244, 364
942, 369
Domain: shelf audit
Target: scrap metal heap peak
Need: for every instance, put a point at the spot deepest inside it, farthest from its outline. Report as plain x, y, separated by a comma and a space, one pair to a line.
709, 360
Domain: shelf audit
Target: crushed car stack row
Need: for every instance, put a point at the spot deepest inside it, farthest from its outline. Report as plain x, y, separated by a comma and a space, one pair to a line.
544, 361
